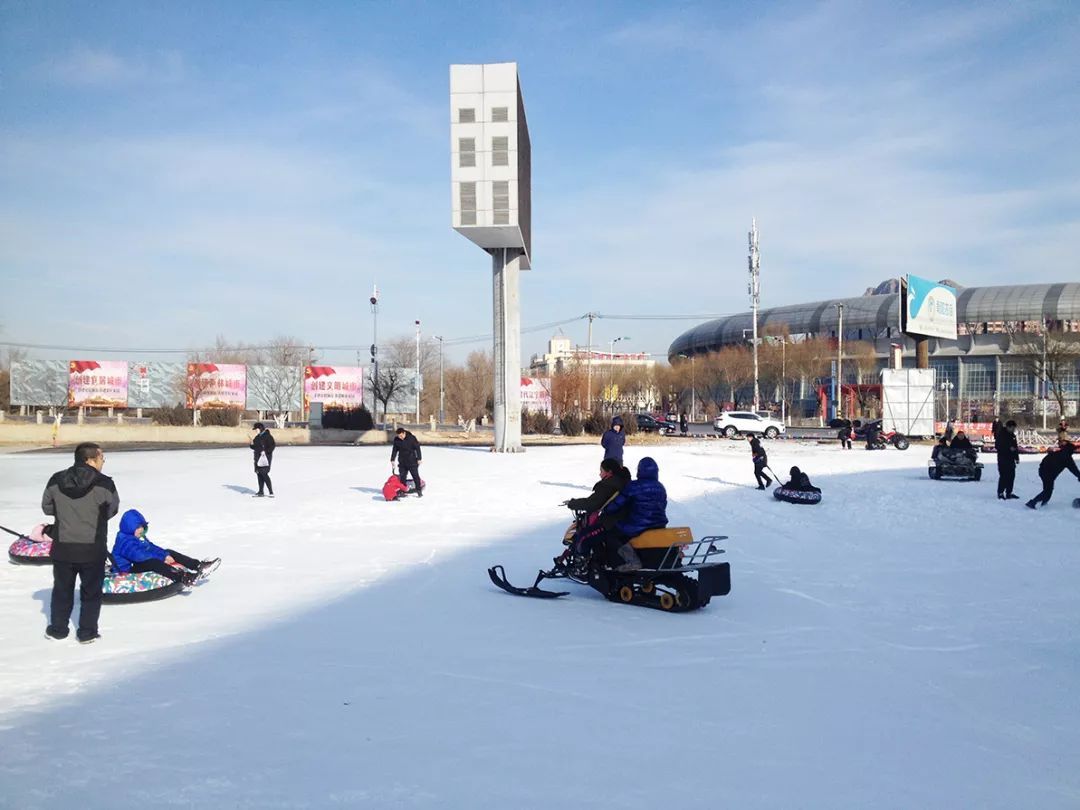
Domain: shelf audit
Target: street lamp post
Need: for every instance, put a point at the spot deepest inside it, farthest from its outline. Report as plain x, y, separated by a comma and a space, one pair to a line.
611, 366
375, 354
947, 386
839, 360
442, 410
418, 372
693, 387
754, 288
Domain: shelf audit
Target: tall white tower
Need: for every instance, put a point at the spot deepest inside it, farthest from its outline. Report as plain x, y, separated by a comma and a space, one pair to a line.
491, 205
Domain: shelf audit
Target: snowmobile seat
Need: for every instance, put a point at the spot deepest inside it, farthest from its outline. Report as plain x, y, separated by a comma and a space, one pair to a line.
663, 538
653, 546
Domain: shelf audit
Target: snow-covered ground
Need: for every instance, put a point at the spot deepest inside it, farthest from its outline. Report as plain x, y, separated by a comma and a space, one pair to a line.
908, 643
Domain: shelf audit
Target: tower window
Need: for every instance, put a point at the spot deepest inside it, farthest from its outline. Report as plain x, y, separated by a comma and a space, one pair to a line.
500, 202
467, 198
466, 152
466, 115
500, 154
500, 114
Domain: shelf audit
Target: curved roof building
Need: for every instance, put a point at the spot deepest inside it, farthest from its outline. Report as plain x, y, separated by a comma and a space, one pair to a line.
980, 310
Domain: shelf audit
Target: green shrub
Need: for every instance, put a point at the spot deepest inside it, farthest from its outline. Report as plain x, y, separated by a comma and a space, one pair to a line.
220, 417
570, 424
596, 423
536, 422
177, 415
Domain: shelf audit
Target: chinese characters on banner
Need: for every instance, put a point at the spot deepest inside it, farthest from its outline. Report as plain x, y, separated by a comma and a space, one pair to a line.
97, 383
334, 386
534, 396
216, 385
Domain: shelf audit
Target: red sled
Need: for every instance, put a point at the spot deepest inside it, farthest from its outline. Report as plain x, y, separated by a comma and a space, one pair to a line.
393, 489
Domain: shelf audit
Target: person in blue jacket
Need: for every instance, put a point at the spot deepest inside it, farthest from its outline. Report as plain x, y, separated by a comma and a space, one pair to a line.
641, 505
613, 440
132, 551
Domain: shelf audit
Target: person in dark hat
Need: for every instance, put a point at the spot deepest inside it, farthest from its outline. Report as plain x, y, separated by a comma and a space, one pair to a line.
408, 454
1056, 461
263, 448
1008, 456
613, 440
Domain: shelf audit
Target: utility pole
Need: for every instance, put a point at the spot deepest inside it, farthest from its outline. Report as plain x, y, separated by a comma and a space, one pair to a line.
839, 360
783, 379
588, 367
375, 353
754, 288
442, 411
611, 368
418, 372
1045, 382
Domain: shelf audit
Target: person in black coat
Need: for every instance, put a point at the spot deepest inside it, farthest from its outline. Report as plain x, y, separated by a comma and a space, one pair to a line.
1008, 456
407, 452
941, 445
82, 500
263, 447
871, 435
1054, 464
613, 477
800, 482
963, 443
844, 435
761, 461
684, 423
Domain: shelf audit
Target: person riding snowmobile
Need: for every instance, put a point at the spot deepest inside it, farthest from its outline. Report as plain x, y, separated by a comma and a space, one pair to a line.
613, 477
963, 443
640, 506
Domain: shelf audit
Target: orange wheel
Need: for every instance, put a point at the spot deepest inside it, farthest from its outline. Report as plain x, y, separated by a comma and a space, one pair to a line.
667, 601
648, 587
626, 593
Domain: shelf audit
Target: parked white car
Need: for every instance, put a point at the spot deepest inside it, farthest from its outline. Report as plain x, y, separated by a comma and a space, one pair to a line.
734, 423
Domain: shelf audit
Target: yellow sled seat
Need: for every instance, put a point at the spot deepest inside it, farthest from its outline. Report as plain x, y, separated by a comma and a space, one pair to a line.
663, 538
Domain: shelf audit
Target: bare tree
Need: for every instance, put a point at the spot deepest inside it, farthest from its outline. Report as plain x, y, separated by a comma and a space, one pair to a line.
1054, 357
568, 388
470, 391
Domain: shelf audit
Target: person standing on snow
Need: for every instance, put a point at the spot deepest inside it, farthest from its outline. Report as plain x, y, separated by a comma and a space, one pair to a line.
761, 461
82, 500
407, 452
613, 440
263, 447
1054, 464
684, 424
1008, 456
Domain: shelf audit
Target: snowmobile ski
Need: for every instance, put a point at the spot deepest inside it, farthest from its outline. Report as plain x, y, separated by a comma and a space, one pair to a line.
498, 576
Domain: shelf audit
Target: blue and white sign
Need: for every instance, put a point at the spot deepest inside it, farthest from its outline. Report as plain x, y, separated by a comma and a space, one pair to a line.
930, 308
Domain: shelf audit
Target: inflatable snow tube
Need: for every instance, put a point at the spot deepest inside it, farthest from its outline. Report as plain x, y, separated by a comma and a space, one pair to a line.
796, 496
25, 551
118, 588
147, 586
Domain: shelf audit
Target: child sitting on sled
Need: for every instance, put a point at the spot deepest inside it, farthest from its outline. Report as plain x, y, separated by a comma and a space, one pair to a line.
132, 551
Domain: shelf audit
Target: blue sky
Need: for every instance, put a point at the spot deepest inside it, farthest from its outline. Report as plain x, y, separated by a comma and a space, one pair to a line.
170, 172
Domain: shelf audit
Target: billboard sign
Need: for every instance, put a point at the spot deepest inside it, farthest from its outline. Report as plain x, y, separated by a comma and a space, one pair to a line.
97, 383
334, 386
216, 385
534, 396
929, 308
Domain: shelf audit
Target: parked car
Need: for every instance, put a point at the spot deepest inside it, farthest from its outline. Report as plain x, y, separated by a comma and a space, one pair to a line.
734, 423
650, 424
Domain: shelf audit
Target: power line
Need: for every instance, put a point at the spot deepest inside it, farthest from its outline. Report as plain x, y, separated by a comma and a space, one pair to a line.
458, 341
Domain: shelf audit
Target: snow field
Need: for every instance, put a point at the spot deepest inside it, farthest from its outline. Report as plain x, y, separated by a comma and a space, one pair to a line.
907, 643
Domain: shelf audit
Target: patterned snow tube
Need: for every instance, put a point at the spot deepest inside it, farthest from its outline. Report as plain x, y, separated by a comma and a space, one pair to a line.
118, 588
121, 588
25, 551
796, 496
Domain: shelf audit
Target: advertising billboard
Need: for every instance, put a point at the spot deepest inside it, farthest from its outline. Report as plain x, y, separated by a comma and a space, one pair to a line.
534, 396
334, 386
97, 383
928, 308
216, 385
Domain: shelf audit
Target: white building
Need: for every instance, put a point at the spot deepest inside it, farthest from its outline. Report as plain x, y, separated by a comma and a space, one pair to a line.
562, 353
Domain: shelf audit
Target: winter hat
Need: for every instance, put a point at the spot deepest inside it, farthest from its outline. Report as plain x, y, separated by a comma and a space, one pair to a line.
258, 426
794, 472
616, 421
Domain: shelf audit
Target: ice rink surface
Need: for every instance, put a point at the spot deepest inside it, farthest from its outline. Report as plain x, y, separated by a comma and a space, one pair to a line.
907, 643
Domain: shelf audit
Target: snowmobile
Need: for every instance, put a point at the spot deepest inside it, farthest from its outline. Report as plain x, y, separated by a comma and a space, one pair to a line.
955, 465
678, 573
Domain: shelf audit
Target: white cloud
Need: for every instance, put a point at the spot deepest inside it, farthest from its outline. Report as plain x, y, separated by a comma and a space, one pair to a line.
100, 67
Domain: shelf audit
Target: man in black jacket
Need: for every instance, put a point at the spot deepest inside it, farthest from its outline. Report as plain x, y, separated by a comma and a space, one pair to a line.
263, 447
613, 477
82, 500
407, 452
761, 461
1054, 464
1008, 456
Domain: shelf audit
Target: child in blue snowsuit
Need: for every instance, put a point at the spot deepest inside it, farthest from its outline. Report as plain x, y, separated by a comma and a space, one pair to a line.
133, 552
